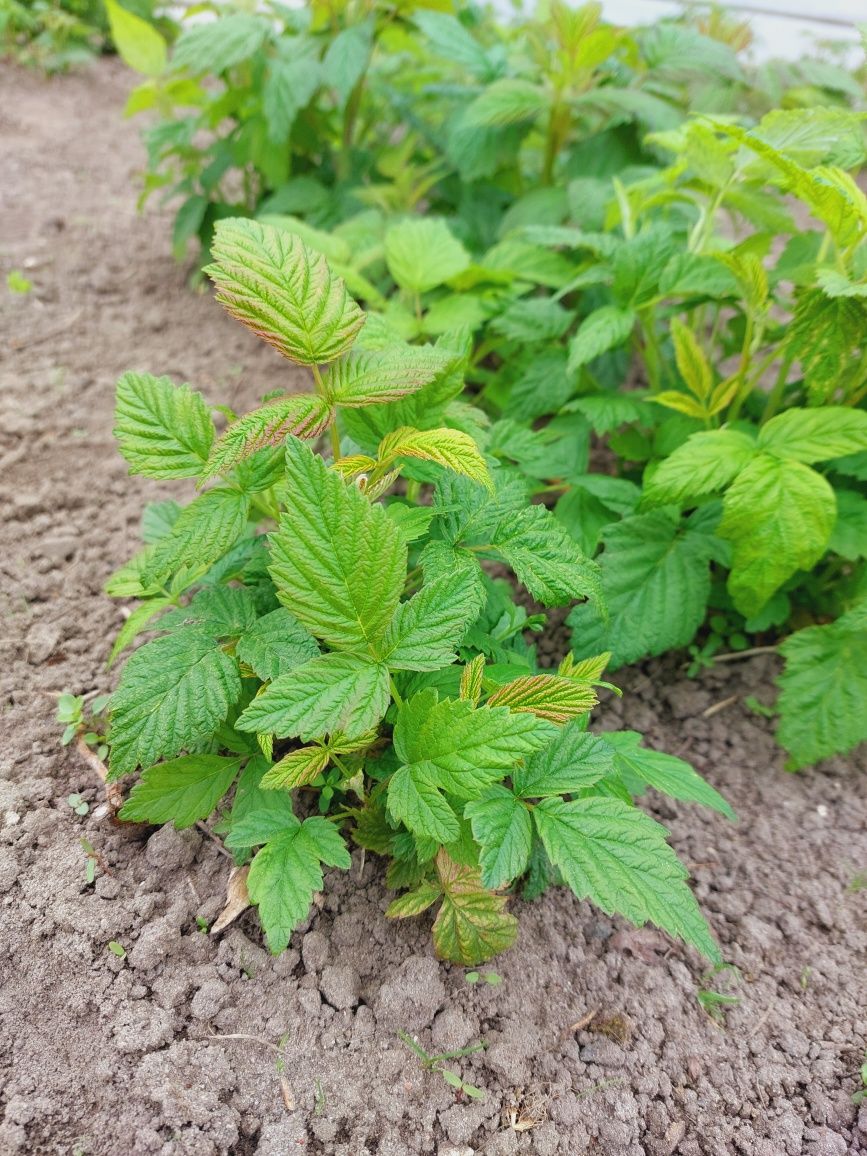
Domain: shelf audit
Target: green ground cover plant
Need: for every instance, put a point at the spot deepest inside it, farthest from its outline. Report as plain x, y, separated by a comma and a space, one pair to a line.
337, 111
330, 659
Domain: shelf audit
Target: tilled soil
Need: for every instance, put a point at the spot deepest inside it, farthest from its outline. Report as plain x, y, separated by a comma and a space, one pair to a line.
194, 1045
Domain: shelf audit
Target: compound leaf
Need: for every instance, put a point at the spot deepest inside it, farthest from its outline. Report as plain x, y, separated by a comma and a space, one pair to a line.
372, 377
574, 760
451, 448
287, 872
204, 531
414, 799
548, 696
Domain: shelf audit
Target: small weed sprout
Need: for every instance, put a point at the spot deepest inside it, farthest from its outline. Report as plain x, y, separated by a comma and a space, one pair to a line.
436, 1063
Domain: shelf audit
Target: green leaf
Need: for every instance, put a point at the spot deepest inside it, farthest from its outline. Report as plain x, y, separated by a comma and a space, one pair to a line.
823, 689
212, 48
347, 58
276, 644
546, 558
334, 692
507, 101
224, 611
655, 585
604, 329
779, 515
137, 42
547, 696
338, 562
665, 773
472, 924
421, 253
288, 87
617, 857
371, 377
426, 630
283, 291
304, 416
450, 448
414, 799
849, 536
296, 769
504, 831
286, 874
173, 692
203, 532
692, 364
181, 791
706, 462
256, 815
414, 902
535, 319
467, 749
164, 430
815, 435
573, 761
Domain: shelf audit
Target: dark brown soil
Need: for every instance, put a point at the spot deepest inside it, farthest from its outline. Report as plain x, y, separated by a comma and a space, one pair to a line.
172, 1049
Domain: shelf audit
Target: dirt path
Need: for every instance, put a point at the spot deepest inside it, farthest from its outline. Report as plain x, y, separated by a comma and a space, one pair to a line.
104, 1056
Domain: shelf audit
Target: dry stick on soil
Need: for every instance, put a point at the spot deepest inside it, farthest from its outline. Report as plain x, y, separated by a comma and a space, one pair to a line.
285, 1087
206, 830
753, 650
113, 792
718, 706
583, 1022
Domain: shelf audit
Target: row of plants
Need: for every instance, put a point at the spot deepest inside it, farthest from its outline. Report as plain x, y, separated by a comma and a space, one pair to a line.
552, 324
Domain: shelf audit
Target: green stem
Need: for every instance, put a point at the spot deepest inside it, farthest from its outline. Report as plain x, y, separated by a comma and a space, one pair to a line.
395, 693
746, 347
775, 397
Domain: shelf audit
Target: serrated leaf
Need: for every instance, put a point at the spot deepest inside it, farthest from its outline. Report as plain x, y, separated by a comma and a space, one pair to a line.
472, 924
604, 329
505, 102
181, 791
778, 515
706, 463
815, 435
823, 689
256, 815
338, 562
283, 291
289, 85
286, 873
164, 430
504, 831
414, 902
450, 448
333, 692
135, 624
426, 630
422, 253
224, 611
371, 377
276, 644
468, 749
573, 761
546, 558
536, 319
304, 416
547, 696
849, 536
173, 692
414, 799
691, 361
214, 47
472, 679
347, 57
296, 769
617, 857
204, 531
655, 585
665, 773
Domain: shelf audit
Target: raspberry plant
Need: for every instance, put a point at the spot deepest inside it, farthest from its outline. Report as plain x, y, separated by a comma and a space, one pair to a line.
331, 663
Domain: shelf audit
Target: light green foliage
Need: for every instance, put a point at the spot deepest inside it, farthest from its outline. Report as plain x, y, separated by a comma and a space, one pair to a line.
823, 689
138, 42
421, 254
356, 649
